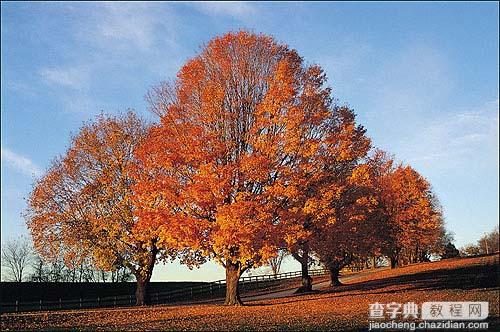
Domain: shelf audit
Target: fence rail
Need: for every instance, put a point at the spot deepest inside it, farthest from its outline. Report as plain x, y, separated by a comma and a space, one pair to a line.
206, 291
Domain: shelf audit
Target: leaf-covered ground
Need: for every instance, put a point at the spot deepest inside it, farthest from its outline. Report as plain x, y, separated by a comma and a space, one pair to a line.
471, 279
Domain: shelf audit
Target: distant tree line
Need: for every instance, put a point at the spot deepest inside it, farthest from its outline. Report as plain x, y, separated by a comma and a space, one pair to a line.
21, 262
487, 244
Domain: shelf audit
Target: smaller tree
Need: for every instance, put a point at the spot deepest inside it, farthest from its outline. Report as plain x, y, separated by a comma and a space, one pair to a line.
470, 250
443, 247
450, 251
275, 262
82, 206
413, 215
489, 242
16, 257
38, 266
348, 235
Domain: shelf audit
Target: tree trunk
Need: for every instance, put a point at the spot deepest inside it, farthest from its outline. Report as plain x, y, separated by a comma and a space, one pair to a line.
306, 278
233, 273
394, 262
374, 262
143, 276
304, 260
142, 291
417, 254
334, 276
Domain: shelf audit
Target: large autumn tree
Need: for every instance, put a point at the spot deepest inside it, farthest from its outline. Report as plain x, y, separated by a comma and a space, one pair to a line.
242, 130
82, 208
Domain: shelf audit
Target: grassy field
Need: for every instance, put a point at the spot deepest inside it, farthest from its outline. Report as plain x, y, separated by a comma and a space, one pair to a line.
346, 307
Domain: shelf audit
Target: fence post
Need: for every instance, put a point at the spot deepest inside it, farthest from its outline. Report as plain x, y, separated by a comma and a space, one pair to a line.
99, 301
114, 301
191, 290
80, 302
60, 303
157, 300
40, 304
130, 299
17, 305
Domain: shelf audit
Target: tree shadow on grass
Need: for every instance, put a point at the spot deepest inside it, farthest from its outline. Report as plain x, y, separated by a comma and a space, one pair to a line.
478, 278
464, 278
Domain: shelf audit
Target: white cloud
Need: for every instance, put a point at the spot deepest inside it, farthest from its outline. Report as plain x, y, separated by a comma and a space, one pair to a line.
126, 25
129, 26
235, 9
112, 38
20, 163
406, 96
457, 138
71, 77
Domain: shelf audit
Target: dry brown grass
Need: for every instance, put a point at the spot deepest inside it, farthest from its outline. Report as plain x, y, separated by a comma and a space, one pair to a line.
472, 279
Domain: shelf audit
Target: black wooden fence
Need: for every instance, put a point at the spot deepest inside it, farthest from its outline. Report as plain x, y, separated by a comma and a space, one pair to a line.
211, 290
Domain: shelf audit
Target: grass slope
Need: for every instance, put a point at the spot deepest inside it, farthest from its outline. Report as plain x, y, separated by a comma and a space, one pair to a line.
343, 308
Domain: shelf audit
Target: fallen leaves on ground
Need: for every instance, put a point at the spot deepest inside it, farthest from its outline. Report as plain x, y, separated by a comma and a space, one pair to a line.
342, 308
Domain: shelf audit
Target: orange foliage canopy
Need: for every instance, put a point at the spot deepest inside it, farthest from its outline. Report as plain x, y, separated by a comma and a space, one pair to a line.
251, 155
82, 206
328, 188
420, 216
383, 209
412, 220
244, 130
350, 234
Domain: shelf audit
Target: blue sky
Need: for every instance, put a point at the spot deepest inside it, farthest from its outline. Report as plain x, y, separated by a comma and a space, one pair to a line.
422, 77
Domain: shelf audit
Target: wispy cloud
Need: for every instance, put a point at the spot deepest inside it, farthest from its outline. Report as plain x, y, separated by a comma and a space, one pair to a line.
457, 138
20, 163
21, 87
83, 105
109, 39
238, 10
415, 81
412, 87
129, 26
124, 25
77, 77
